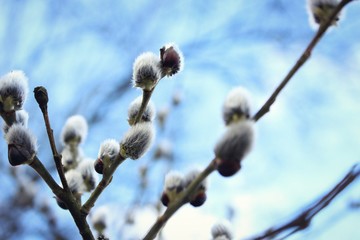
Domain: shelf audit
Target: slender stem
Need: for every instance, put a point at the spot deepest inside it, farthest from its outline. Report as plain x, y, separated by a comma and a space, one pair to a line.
144, 103
45, 175
145, 100
69, 199
181, 200
79, 218
300, 62
56, 155
105, 181
302, 220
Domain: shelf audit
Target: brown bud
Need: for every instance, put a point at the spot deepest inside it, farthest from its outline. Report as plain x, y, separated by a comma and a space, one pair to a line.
41, 96
99, 166
165, 199
170, 60
199, 199
228, 168
17, 155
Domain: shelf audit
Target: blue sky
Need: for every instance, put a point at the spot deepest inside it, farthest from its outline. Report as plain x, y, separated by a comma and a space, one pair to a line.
83, 51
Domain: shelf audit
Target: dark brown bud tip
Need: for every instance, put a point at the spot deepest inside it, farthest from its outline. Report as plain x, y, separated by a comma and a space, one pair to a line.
228, 168
165, 199
170, 60
199, 199
41, 96
99, 166
16, 156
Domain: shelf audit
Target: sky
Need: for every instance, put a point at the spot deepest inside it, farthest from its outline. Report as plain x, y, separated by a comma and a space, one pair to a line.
83, 52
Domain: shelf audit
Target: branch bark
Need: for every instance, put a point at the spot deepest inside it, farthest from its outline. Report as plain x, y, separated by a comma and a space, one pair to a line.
300, 62
41, 97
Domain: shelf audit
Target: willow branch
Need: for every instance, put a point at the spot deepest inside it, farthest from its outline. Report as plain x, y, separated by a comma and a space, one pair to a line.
145, 100
105, 181
302, 220
69, 199
300, 62
79, 218
45, 175
41, 97
181, 200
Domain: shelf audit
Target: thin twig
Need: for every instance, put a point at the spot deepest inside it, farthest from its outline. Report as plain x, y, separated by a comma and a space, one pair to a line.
264, 109
79, 218
181, 200
144, 103
65, 196
41, 97
45, 175
302, 220
106, 179
145, 100
300, 62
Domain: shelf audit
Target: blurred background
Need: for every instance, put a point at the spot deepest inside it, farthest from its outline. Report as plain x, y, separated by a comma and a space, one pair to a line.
83, 52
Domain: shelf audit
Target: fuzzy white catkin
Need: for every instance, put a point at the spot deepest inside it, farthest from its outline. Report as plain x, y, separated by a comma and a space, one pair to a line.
236, 142
164, 150
22, 117
173, 185
148, 115
99, 218
173, 181
236, 105
13, 90
137, 140
21, 136
71, 159
146, 71
86, 167
109, 148
320, 10
90, 178
75, 181
191, 175
221, 231
75, 128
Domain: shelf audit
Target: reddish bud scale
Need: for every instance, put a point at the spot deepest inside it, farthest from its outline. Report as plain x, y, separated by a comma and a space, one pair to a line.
99, 166
228, 168
170, 60
199, 199
16, 156
165, 199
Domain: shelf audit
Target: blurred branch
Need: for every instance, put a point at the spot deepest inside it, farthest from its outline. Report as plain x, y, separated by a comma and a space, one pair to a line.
300, 62
302, 221
355, 204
